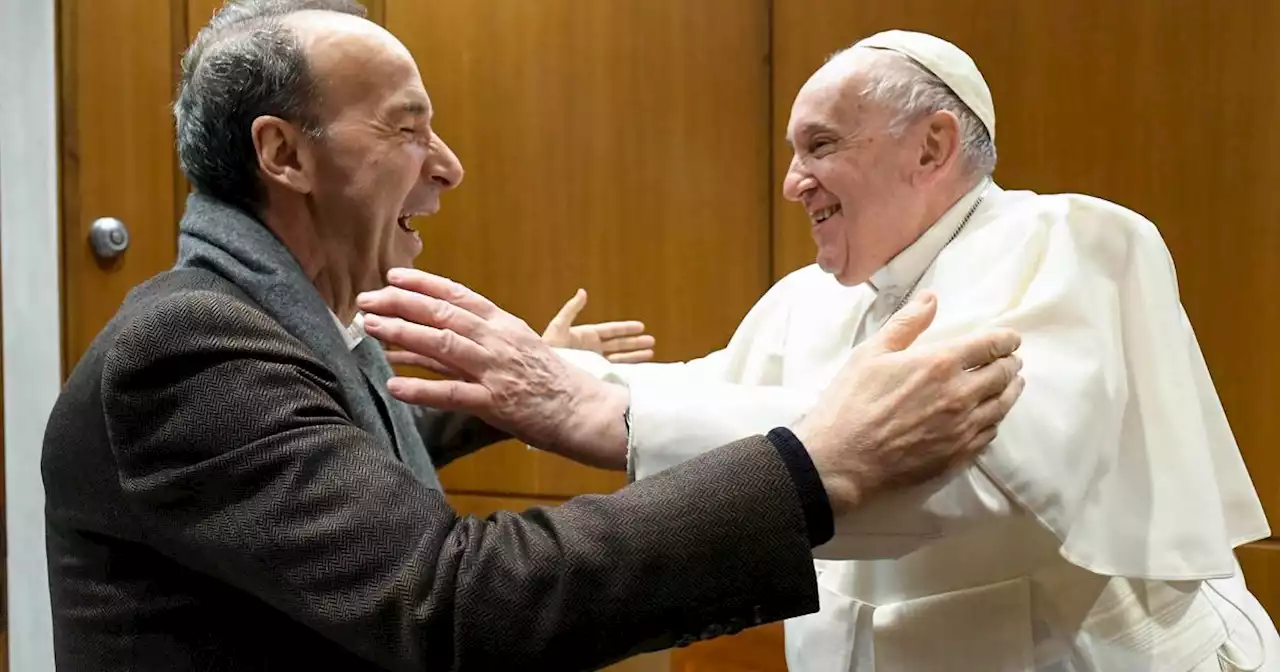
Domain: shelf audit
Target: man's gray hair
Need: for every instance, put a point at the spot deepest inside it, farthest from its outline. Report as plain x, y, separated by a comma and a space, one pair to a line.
905, 86
245, 64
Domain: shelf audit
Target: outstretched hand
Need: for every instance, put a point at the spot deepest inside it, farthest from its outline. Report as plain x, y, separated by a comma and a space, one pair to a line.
898, 414
620, 342
500, 370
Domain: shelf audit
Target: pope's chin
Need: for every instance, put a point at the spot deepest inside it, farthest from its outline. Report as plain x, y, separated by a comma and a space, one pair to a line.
832, 263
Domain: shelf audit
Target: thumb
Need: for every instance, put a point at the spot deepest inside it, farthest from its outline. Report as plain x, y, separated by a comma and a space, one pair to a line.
569, 312
907, 324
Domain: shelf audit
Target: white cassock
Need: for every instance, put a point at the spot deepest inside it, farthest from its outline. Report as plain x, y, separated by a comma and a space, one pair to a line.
1095, 533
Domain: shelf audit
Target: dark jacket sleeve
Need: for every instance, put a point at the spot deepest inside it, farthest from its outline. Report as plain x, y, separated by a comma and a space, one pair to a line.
450, 435
237, 461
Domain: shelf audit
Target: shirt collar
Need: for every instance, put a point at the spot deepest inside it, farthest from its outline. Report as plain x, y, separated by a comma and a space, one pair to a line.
897, 277
352, 333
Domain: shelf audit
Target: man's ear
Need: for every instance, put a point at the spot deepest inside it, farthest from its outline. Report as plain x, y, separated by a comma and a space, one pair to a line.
939, 143
284, 155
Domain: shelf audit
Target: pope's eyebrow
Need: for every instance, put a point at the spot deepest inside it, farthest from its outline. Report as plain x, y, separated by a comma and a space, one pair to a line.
809, 129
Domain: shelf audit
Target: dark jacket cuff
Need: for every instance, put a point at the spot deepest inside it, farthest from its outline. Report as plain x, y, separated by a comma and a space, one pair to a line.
813, 497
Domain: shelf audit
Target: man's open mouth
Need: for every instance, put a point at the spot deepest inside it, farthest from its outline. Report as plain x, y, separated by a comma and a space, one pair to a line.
404, 220
820, 216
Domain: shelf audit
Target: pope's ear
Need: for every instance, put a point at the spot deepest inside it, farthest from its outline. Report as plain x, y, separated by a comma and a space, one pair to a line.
940, 140
284, 154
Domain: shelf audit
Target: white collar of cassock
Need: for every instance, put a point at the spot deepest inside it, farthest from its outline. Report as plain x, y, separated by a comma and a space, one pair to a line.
898, 276
352, 333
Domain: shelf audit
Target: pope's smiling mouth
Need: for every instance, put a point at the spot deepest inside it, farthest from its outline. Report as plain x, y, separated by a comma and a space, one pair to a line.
820, 216
403, 222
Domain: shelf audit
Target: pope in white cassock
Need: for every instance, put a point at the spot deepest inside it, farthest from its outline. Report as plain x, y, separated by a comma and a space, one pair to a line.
1097, 531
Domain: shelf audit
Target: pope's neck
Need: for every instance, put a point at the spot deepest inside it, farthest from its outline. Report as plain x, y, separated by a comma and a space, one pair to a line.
943, 199
330, 274
936, 205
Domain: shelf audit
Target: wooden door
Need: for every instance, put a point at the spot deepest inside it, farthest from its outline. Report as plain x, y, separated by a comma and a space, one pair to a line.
1158, 110
118, 67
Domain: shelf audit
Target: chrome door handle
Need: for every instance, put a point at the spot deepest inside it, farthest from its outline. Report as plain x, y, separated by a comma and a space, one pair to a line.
109, 237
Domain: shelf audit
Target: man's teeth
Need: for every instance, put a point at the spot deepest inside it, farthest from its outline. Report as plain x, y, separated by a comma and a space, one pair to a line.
825, 214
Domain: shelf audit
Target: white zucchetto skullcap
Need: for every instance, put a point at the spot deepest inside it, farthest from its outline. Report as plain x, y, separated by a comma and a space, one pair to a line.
948, 63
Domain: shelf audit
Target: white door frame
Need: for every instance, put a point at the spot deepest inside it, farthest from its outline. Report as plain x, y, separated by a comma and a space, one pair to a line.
29, 285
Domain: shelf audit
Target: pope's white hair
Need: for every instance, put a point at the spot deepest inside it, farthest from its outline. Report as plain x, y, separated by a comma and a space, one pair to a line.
901, 84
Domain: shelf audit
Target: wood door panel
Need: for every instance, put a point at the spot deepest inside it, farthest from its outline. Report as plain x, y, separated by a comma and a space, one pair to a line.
1156, 110
617, 146
760, 649
511, 467
1260, 562
117, 71
198, 14
200, 11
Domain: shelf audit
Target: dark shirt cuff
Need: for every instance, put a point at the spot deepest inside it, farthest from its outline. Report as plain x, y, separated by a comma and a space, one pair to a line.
813, 497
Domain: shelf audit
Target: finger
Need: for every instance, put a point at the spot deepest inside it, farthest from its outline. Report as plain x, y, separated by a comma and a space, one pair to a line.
980, 441
396, 302
617, 329
406, 358
986, 347
993, 379
633, 357
569, 311
627, 344
1010, 397
990, 413
398, 357
907, 324
444, 346
449, 395
443, 289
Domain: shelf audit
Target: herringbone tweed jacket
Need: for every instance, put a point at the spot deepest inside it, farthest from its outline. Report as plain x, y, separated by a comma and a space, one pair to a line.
211, 505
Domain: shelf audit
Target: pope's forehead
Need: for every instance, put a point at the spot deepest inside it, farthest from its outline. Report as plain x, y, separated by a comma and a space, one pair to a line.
835, 90
851, 68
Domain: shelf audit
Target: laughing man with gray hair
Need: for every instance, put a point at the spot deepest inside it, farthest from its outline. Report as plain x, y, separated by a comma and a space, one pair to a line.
1097, 532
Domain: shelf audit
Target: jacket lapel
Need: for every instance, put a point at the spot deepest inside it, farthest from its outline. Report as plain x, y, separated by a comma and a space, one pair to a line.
223, 239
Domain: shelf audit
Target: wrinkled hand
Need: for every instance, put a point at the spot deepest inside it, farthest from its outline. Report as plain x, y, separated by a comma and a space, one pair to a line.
895, 417
501, 370
622, 342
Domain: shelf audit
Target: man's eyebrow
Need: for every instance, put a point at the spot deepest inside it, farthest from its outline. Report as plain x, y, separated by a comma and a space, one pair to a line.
417, 108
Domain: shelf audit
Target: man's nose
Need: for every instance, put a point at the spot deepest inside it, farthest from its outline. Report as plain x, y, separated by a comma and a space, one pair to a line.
443, 166
798, 181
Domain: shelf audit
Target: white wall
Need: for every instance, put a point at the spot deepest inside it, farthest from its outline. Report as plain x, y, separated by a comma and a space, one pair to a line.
29, 287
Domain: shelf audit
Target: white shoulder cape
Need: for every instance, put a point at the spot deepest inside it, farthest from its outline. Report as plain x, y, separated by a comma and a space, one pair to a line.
1119, 444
